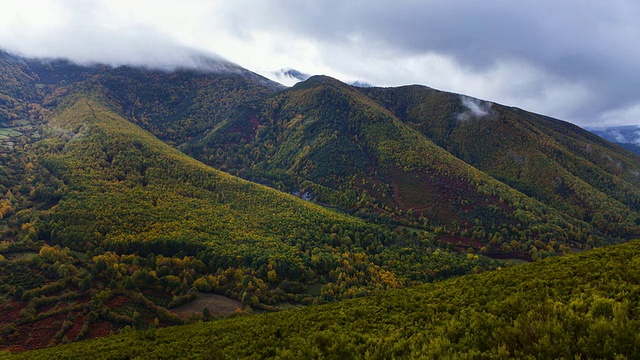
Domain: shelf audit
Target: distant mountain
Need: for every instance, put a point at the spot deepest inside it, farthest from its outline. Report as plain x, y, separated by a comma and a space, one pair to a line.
361, 84
627, 137
288, 76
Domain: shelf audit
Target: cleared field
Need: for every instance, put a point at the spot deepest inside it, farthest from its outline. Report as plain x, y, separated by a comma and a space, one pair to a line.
217, 305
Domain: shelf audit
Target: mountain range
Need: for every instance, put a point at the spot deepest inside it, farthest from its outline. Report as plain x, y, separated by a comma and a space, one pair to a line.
131, 193
627, 137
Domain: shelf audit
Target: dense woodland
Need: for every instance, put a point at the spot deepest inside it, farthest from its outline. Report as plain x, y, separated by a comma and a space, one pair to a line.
330, 142
110, 238
580, 306
109, 224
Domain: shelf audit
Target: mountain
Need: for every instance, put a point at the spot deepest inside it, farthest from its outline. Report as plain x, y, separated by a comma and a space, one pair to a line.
578, 306
627, 137
361, 84
289, 76
491, 178
105, 226
174, 105
550, 160
134, 197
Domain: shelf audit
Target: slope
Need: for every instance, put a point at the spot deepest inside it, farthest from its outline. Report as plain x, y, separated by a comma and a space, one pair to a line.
553, 161
578, 306
327, 140
106, 226
123, 169
173, 105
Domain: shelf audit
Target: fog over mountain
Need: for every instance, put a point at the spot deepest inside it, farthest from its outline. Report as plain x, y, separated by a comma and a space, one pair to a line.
572, 61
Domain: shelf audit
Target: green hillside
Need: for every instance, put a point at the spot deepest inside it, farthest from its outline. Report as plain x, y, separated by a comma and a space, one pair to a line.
578, 306
555, 162
302, 196
174, 105
328, 140
105, 226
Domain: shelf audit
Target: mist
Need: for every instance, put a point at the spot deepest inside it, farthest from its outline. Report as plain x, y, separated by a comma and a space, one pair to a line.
90, 34
582, 68
475, 108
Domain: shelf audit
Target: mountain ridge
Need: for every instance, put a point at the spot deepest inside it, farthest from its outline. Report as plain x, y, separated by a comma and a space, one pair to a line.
321, 131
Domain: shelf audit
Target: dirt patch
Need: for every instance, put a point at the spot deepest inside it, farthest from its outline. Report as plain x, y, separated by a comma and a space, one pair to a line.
462, 243
117, 301
217, 305
42, 332
11, 311
511, 257
99, 329
72, 334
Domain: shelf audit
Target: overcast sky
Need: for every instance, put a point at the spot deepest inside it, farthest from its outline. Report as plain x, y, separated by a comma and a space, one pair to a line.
574, 60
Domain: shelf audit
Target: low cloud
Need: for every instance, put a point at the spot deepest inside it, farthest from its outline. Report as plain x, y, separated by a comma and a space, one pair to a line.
87, 32
475, 108
579, 68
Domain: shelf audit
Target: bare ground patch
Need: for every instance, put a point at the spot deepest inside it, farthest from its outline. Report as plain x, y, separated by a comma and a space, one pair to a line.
217, 305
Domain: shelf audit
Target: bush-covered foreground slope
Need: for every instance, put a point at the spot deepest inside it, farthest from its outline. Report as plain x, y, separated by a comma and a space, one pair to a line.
578, 306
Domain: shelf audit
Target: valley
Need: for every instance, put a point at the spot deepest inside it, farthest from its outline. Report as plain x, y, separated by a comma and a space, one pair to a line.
137, 205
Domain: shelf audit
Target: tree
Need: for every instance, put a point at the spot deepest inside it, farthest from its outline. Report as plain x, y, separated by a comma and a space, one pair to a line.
85, 284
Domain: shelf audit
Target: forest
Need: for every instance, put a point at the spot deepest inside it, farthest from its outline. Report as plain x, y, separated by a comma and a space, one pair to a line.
316, 221
110, 239
575, 306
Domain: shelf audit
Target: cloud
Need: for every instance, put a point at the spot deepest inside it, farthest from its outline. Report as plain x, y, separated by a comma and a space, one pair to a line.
622, 115
618, 136
587, 46
89, 32
577, 61
475, 108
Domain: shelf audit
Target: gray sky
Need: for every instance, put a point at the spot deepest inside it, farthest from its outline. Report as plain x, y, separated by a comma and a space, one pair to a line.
574, 60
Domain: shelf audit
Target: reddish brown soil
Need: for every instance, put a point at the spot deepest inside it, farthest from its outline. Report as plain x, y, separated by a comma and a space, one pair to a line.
72, 334
510, 256
99, 329
9, 316
430, 195
117, 301
40, 333
247, 129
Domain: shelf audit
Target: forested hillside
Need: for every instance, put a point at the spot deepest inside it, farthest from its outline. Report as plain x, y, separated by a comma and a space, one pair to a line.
327, 141
106, 226
553, 161
579, 306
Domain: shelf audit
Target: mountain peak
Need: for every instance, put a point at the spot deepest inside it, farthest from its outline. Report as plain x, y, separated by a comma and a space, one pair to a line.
288, 76
319, 80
